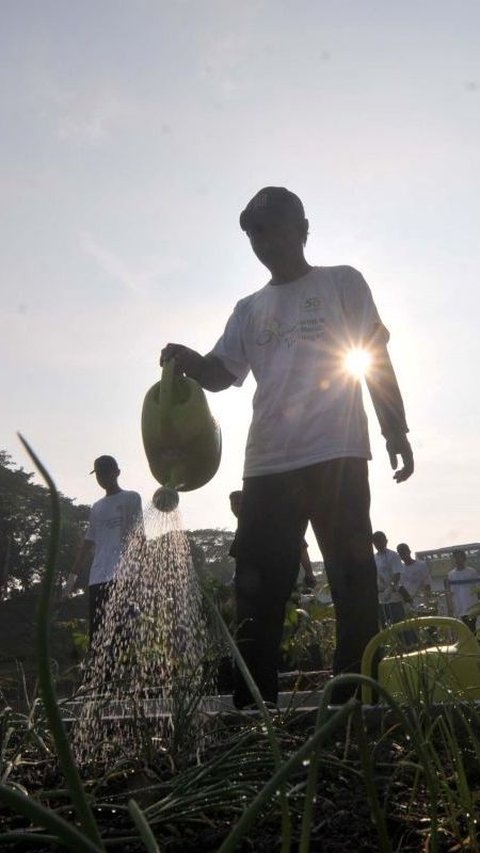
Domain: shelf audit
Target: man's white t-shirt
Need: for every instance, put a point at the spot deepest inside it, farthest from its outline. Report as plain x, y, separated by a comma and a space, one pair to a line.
112, 519
415, 577
388, 565
294, 338
463, 584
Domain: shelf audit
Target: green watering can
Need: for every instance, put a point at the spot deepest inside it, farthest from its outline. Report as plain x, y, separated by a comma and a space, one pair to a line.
182, 440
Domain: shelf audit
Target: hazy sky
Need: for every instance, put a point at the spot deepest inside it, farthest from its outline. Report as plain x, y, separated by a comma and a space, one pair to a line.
133, 133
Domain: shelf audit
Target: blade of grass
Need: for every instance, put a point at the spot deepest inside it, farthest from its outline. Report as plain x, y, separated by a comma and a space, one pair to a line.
369, 685
18, 837
457, 799
66, 833
252, 686
310, 791
143, 827
67, 763
280, 777
378, 813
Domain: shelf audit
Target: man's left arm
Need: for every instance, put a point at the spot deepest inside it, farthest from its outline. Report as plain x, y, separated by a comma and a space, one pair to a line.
388, 404
368, 332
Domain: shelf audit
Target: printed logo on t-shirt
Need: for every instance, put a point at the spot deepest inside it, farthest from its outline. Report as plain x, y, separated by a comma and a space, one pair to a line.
276, 332
312, 303
309, 329
312, 328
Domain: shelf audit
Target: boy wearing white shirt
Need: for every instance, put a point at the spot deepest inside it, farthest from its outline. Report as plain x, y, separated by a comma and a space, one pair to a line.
463, 584
112, 519
415, 578
389, 572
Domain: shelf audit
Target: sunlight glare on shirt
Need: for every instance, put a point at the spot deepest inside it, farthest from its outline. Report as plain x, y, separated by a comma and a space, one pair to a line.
357, 362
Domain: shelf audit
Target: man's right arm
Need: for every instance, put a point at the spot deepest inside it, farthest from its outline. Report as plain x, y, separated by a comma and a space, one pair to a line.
207, 370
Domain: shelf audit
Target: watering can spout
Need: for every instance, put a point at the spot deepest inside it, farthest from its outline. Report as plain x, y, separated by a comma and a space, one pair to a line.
182, 440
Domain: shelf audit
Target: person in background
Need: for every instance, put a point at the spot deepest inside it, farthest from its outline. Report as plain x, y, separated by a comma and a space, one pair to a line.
113, 519
462, 584
415, 580
389, 573
306, 578
307, 449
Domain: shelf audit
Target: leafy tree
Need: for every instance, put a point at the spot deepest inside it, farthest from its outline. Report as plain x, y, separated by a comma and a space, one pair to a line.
25, 528
210, 552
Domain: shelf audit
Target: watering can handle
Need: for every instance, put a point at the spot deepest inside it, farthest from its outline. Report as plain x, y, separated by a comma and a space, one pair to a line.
457, 625
166, 381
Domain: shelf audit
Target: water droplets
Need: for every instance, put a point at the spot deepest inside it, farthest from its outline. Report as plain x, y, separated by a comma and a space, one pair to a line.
145, 674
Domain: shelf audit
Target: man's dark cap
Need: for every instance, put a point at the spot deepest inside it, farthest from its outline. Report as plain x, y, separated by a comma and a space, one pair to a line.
105, 464
272, 199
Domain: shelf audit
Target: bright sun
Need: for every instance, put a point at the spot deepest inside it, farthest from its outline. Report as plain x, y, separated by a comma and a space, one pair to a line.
357, 362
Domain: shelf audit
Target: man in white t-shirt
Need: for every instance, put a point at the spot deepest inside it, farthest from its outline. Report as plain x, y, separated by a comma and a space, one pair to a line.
112, 520
415, 579
389, 572
307, 448
462, 583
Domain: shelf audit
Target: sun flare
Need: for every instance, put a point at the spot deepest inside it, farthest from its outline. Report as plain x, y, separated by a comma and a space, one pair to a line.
357, 362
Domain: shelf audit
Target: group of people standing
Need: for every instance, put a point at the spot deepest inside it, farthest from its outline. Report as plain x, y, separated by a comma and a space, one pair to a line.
403, 582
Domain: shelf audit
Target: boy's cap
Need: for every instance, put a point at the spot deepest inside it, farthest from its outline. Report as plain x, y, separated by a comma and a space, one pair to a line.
104, 463
272, 199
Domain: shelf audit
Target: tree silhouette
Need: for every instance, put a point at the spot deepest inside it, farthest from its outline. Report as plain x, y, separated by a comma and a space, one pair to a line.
25, 527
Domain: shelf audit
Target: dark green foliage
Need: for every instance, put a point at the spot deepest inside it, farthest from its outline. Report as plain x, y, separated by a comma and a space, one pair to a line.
210, 549
308, 640
25, 526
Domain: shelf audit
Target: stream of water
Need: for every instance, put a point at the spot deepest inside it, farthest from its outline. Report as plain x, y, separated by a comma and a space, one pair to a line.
146, 672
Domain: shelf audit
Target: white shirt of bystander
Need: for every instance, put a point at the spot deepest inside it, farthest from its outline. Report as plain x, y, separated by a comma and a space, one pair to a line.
112, 519
463, 585
414, 579
388, 565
